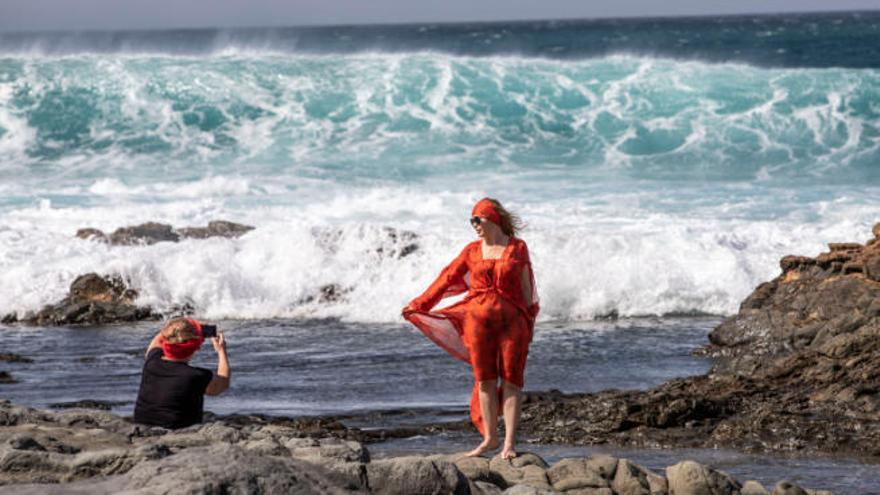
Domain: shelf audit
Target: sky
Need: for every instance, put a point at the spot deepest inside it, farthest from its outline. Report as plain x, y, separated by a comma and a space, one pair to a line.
28, 15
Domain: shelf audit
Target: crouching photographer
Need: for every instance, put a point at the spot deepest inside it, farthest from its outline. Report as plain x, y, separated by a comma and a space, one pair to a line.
172, 392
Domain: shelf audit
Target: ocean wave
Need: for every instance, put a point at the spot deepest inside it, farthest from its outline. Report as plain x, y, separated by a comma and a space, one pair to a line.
410, 116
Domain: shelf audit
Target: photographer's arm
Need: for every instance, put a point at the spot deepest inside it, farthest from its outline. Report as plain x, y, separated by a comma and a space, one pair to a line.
154, 344
220, 382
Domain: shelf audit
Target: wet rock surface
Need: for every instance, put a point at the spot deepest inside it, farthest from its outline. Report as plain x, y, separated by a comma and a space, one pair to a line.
153, 232
797, 369
83, 451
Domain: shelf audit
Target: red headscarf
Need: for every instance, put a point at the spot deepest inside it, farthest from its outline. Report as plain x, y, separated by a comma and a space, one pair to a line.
484, 208
185, 349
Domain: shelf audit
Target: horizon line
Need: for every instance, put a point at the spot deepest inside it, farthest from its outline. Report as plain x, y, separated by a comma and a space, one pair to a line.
436, 23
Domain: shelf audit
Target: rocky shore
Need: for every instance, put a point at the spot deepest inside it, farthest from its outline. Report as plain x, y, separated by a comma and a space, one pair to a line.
83, 451
797, 369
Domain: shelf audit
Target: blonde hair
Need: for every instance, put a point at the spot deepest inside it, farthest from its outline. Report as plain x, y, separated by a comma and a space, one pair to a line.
178, 330
511, 223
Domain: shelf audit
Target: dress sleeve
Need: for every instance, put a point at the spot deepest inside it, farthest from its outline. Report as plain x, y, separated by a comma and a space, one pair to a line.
452, 280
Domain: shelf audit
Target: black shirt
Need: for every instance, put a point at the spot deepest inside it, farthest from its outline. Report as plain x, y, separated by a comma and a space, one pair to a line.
171, 393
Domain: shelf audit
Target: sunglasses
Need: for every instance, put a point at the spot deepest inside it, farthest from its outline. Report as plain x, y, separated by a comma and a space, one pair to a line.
476, 221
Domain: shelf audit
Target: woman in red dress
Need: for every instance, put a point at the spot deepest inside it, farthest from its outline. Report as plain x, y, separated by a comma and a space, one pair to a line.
491, 327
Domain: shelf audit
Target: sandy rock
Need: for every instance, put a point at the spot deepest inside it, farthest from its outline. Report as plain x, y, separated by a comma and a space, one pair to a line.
12, 415
692, 478
528, 490
111, 461
477, 469
526, 469
415, 476
590, 491
344, 461
752, 487
630, 479
265, 446
574, 473
603, 464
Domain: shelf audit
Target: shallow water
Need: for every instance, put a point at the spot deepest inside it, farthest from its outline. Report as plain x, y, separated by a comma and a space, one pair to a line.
323, 367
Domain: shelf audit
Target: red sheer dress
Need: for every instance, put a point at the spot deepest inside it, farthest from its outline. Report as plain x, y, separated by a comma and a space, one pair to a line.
491, 327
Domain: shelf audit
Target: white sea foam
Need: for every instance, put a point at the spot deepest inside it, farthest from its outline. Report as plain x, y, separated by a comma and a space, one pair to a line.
592, 257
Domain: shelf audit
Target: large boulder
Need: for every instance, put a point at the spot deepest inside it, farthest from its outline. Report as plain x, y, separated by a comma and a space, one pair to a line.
416, 476
524, 469
570, 474
693, 478
93, 299
630, 479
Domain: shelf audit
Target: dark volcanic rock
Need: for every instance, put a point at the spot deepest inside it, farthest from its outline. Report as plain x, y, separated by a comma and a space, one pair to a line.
11, 357
798, 369
145, 233
153, 232
6, 378
102, 405
217, 228
90, 234
93, 299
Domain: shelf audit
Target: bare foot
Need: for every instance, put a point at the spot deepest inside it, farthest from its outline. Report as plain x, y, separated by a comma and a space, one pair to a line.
485, 446
509, 452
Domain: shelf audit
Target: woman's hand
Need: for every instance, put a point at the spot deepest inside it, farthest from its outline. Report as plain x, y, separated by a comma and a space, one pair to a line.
409, 308
219, 343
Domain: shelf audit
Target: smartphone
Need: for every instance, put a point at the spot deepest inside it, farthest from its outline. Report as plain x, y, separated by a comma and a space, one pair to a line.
209, 331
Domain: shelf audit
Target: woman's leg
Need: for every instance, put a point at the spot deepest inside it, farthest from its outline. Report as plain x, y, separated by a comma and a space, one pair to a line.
489, 406
514, 347
512, 408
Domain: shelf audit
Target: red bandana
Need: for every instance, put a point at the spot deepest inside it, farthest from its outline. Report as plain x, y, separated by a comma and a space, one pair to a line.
484, 208
185, 349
